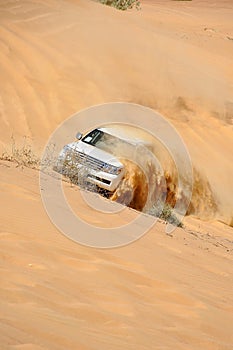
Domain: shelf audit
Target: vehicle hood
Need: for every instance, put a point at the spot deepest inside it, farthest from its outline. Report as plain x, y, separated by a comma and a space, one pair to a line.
95, 152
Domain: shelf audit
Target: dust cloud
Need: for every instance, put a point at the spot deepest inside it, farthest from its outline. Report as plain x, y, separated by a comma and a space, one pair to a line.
151, 176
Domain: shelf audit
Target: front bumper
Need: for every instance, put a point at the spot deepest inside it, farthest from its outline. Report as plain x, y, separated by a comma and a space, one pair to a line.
105, 180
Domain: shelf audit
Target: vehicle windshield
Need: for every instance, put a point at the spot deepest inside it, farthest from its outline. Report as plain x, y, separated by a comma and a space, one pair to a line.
102, 140
111, 144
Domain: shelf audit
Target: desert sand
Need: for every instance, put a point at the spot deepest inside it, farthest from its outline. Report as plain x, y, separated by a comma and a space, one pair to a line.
162, 291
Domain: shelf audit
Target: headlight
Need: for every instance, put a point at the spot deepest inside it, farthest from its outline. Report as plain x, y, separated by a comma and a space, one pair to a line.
116, 170
64, 152
111, 169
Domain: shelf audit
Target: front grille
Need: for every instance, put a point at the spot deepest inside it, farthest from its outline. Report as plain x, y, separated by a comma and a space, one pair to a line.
86, 160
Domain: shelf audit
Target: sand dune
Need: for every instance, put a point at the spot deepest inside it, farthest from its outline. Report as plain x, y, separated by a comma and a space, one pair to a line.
157, 293
58, 58
162, 292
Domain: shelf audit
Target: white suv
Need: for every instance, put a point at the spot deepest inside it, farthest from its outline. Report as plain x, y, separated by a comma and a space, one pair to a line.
93, 153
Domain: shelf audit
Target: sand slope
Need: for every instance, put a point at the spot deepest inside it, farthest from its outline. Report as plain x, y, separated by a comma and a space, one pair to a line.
159, 292
176, 57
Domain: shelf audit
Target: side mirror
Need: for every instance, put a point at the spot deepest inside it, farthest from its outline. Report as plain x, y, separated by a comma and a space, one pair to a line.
79, 135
